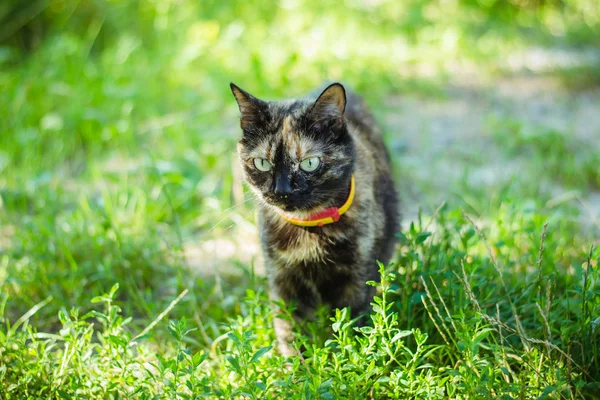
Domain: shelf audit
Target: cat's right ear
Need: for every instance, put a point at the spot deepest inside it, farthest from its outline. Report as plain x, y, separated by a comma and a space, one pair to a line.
252, 110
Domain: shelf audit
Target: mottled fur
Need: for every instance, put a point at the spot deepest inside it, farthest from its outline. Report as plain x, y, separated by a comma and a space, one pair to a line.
312, 265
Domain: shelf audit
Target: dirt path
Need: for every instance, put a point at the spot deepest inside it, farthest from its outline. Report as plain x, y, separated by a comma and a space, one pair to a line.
445, 143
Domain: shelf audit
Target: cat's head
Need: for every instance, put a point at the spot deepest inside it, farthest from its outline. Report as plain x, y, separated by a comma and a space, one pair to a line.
297, 155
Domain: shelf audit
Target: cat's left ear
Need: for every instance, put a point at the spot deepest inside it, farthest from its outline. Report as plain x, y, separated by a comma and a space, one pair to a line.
331, 103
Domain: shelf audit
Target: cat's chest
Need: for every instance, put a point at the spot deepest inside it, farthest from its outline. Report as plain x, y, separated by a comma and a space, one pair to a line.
289, 245
303, 248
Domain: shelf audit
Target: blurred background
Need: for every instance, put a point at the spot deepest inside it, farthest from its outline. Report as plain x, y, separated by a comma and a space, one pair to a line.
118, 129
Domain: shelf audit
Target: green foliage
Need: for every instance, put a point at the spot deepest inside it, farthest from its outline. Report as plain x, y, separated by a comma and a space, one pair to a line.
574, 163
487, 326
117, 134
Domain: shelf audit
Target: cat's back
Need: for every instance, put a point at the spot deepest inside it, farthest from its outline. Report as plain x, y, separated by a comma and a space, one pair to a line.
376, 166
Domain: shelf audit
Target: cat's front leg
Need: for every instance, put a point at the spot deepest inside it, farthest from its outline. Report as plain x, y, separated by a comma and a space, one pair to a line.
284, 335
303, 301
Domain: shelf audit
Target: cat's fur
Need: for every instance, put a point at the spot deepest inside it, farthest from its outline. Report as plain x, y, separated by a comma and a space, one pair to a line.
311, 265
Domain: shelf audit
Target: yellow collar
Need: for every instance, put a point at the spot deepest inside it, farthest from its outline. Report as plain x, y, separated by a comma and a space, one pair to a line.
327, 216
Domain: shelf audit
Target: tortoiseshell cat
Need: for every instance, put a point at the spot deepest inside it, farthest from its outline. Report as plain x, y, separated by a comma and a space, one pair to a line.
327, 203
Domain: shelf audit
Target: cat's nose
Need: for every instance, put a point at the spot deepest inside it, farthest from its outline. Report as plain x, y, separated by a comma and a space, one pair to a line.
283, 185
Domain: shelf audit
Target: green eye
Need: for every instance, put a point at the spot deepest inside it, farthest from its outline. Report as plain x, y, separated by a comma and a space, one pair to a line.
262, 165
310, 164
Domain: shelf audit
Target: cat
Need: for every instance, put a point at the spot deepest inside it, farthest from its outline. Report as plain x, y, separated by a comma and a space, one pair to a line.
328, 209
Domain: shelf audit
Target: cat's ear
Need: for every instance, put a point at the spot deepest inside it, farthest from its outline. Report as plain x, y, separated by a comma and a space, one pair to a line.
331, 103
252, 110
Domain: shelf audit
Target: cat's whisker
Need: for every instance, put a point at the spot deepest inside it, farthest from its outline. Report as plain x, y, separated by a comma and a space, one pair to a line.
245, 216
228, 211
236, 205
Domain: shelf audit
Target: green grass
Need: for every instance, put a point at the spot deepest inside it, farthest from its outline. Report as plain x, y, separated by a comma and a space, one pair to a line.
117, 142
452, 319
570, 161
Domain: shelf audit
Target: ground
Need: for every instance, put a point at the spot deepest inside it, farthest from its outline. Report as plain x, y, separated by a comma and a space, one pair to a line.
129, 263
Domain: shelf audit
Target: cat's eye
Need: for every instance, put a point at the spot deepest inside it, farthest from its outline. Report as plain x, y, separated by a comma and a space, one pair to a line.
262, 165
310, 164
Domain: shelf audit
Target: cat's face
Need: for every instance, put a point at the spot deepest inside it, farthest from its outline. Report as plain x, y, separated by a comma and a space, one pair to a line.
296, 155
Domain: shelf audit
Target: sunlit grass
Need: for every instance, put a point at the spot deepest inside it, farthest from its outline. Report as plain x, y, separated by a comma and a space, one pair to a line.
117, 166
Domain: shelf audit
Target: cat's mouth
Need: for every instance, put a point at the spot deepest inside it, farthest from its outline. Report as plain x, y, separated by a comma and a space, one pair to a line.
289, 206
295, 204
297, 212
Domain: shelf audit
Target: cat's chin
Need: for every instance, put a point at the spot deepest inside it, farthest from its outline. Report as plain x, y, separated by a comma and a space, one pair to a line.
295, 212
292, 210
